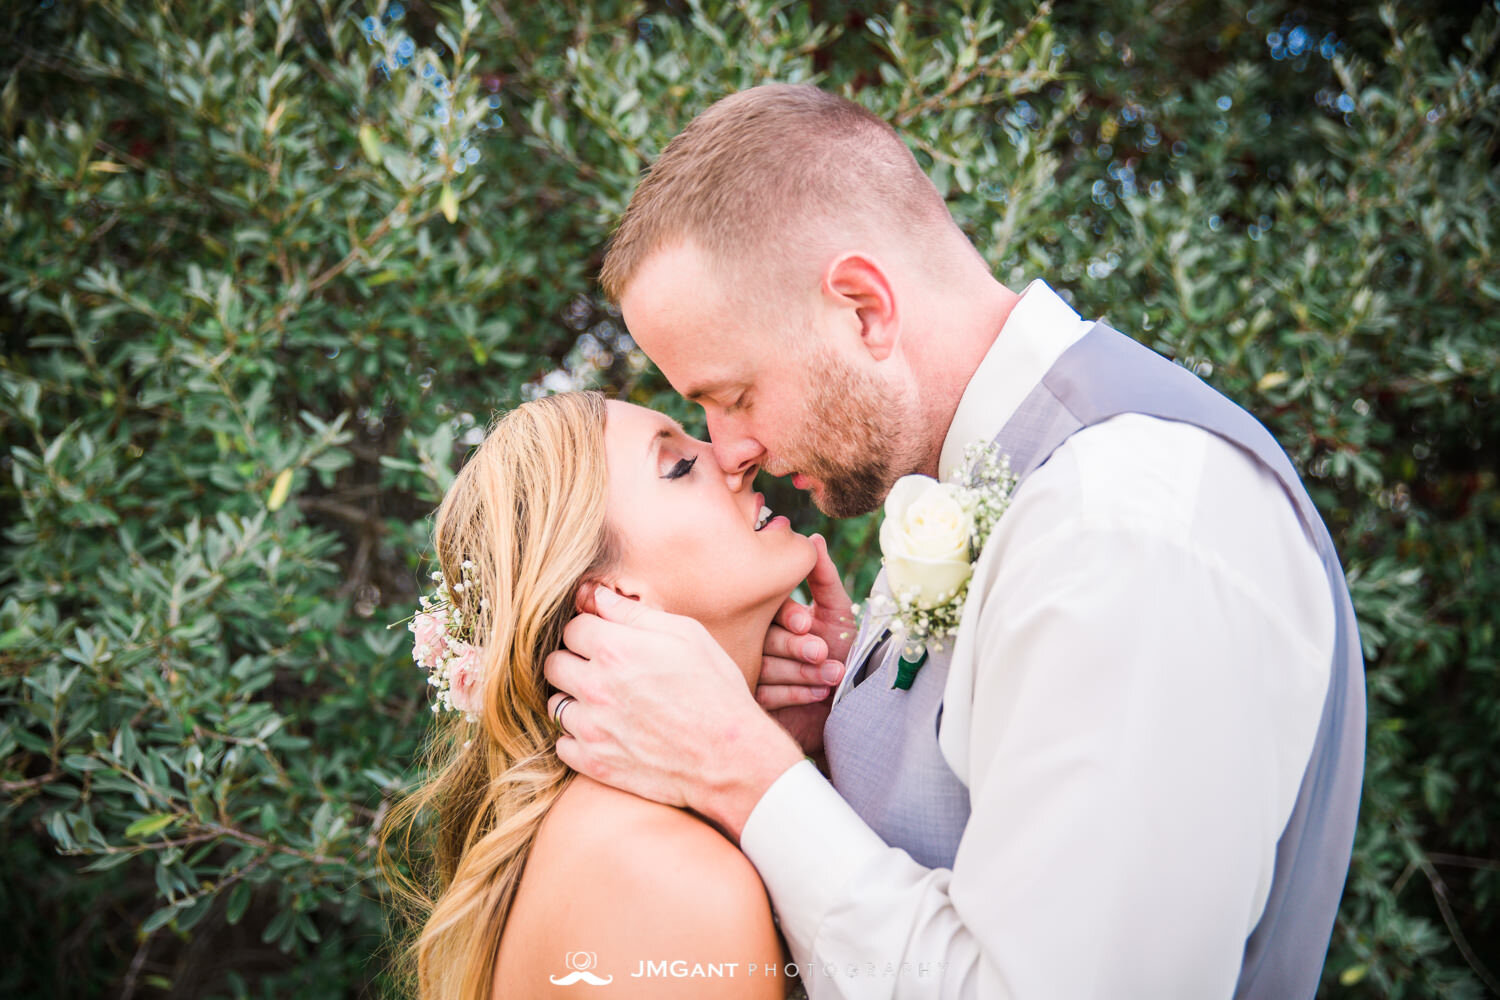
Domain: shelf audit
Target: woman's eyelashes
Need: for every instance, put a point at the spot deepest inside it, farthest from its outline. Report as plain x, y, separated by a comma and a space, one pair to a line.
682, 468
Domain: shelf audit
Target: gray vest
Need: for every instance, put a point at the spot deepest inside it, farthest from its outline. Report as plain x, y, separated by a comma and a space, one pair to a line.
882, 743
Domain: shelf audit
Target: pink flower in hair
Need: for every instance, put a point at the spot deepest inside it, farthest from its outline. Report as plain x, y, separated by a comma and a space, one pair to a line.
442, 634
430, 637
465, 680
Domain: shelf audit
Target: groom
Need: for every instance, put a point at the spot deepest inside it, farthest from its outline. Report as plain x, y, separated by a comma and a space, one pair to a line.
1136, 771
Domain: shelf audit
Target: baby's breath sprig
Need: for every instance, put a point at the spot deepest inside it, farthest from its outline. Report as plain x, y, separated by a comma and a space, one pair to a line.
988, 483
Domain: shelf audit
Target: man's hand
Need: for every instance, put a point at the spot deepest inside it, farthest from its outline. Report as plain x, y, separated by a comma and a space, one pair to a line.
805, 654
662, 711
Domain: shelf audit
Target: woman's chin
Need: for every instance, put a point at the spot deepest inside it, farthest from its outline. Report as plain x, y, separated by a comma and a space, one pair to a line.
798, 567
809, 555
783, 544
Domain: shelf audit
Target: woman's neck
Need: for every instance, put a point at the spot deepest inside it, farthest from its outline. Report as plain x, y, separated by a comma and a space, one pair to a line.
743, 637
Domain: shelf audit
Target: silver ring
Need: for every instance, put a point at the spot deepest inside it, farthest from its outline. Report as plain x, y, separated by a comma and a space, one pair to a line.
567, 700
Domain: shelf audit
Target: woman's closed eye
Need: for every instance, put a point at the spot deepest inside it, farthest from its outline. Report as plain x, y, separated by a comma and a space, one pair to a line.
682, 468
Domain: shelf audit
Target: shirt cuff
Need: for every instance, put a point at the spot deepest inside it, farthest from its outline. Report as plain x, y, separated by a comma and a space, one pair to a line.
807, 843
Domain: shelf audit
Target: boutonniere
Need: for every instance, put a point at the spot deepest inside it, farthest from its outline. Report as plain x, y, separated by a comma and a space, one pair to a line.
931, 535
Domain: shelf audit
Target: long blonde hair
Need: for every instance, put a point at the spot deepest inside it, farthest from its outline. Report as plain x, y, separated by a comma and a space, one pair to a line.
528, 509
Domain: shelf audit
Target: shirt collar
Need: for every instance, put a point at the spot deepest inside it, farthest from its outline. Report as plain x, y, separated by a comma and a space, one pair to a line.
1038, 330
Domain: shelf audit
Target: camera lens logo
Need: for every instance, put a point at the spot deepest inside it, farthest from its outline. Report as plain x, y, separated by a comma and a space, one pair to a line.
581, 962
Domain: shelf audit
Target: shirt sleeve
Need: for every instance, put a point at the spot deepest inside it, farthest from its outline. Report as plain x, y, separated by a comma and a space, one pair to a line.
1144, 698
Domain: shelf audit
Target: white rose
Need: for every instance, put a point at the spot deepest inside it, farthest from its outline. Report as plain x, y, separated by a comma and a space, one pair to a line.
925, 541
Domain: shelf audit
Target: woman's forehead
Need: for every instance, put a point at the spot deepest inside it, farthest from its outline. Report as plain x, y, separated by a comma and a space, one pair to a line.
633, 420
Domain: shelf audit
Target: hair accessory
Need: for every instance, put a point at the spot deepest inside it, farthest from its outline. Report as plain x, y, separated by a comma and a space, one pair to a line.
443, 645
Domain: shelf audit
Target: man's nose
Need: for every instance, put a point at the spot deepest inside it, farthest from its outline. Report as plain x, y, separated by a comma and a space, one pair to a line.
738, 455
741, 477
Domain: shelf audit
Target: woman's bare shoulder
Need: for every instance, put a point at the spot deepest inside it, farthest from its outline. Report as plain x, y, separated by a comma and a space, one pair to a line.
627, 841
639, 886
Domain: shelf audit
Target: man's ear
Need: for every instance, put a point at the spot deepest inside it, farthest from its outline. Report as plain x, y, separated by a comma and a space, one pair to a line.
857, 282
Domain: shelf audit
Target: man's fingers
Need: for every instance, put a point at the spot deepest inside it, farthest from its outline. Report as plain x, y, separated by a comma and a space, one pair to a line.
571, 715
824, 584
588, 635
777, 670
831, 671
789, 646
774, 696
793, 617
570, 753
612, 606
562, 670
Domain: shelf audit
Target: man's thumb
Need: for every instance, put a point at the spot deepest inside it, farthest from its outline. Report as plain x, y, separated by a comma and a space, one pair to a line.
824, 584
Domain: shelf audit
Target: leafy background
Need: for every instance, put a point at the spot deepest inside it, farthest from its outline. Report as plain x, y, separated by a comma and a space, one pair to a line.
270, 266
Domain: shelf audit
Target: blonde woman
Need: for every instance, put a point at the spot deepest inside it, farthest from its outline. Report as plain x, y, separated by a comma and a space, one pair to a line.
542, 879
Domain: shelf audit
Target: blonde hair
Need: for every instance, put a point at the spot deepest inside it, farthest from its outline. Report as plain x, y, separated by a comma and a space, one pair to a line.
766, 170
528, 509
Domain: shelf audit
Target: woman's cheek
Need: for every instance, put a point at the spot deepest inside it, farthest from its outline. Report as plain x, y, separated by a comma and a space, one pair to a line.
687, 573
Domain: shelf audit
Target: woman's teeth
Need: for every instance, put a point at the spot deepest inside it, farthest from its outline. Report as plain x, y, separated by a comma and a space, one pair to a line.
764, 518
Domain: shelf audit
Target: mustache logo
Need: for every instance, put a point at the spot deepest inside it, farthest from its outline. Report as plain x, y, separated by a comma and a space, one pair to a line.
581, 977
581, 962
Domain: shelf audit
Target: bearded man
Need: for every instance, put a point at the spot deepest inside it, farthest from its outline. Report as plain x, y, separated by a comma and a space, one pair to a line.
1135, 772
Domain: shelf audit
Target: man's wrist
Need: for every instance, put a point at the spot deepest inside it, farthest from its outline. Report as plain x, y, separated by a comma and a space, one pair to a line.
754, 757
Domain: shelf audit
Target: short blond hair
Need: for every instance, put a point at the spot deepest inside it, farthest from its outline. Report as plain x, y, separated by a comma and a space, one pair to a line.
762, 172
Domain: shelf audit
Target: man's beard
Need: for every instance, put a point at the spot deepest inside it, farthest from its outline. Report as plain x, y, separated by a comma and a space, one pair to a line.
854, 428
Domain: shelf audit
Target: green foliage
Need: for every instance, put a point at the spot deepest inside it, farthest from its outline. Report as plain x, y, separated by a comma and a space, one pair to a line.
268, 269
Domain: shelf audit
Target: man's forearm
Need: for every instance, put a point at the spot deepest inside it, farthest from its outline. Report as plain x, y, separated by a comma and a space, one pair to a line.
882, 924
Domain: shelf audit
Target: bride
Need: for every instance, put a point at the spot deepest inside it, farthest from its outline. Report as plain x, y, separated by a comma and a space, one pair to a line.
541, 878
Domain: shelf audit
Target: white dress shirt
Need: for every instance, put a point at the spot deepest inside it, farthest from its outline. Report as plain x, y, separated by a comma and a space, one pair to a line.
1132, 701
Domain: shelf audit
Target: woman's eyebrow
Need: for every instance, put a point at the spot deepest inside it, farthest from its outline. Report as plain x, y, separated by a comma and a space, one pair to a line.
662, 434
